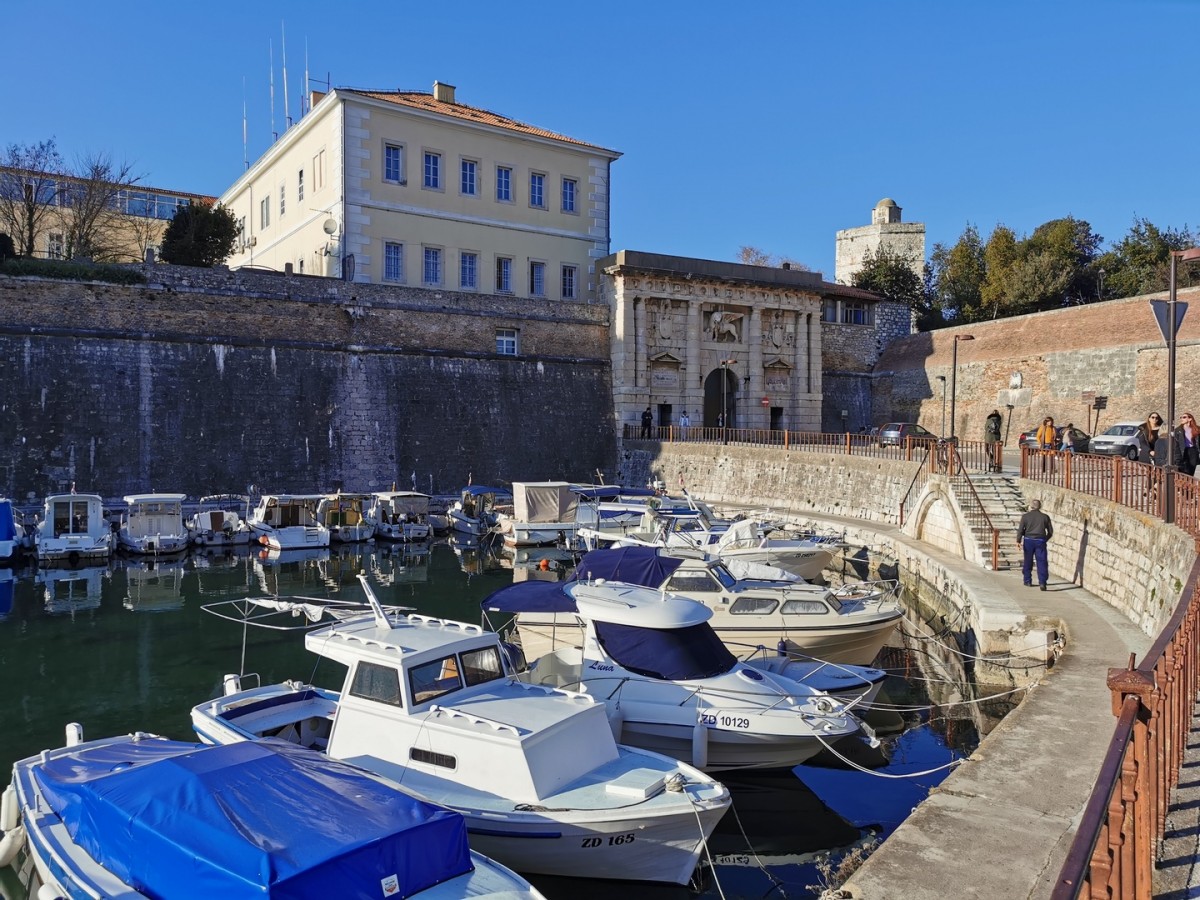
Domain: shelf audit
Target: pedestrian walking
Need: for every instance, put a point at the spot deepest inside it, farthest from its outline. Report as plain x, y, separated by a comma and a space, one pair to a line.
1066, 445
647, 421
991, 434
1186, 445
1150, 443
1033, 533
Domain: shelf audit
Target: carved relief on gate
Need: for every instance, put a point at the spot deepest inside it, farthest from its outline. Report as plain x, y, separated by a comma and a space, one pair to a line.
779, 331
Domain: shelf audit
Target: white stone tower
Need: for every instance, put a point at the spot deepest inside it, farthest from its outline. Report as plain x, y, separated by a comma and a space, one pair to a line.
886, 230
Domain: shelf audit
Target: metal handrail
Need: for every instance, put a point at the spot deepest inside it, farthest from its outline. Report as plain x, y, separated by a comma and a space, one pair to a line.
1116, 844
919, 480
973, 508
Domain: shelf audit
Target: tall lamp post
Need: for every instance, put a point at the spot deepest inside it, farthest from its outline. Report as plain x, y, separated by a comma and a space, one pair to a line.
954, 375
942, 430
1188, 255
724, 419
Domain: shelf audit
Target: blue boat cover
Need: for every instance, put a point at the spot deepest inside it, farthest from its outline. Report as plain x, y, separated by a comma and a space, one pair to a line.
8, 529
529, 596
632, 565
255, 818
478, 490
668, 654
612, 492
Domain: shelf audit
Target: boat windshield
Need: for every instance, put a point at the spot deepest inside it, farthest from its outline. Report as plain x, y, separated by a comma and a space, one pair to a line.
724, 576
451, 673
674, 654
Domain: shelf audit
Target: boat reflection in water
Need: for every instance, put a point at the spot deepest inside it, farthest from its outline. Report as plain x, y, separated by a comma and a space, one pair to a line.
68, 592
151, 585
476, 555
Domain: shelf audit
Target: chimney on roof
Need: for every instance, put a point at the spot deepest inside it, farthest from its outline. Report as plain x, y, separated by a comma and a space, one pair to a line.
443, 92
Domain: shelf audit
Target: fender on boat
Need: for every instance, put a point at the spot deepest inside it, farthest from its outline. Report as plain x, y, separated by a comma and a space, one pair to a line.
10, 814
9, 844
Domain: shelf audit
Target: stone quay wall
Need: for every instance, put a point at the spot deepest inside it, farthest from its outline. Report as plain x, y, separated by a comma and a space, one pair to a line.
205, 381
1135, 563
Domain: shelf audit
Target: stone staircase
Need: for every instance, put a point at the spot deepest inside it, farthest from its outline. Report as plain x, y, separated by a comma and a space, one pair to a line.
1004, 504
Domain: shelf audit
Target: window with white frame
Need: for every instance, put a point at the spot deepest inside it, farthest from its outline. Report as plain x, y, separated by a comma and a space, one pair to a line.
537, 279
58, 246
504, 184
469, 181
264, 212
468, 270
503, 275
570, 187
433, 170
506, 341
282, 200
393, 163
537, 190
570, 282
300, 186
856, 312
393, 261
432, 273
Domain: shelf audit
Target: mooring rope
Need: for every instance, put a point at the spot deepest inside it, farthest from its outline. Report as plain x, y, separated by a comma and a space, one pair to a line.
954, 763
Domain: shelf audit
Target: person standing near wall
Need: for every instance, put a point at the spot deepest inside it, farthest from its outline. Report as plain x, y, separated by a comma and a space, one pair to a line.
1150, 452
991, 434
647, 421
1033, 533
1186, 445
1047, 441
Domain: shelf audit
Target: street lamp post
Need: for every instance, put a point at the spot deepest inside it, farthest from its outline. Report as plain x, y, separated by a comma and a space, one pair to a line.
942, 430
724, 417
1188, 255
954, 375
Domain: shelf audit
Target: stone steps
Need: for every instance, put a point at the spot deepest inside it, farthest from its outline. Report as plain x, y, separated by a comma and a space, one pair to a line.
1004, 504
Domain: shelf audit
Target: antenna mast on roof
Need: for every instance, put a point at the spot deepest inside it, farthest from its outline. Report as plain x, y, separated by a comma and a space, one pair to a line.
245, 151
287, 112
271, 71
304, 93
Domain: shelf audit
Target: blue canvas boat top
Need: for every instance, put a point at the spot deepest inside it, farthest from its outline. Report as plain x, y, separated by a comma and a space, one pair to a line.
8, 529
261, 818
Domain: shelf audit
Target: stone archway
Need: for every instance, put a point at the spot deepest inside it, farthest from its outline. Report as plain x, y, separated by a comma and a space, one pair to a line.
720, 397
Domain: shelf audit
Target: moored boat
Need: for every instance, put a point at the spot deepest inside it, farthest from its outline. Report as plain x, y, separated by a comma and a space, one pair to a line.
343, 515
141, 816
288, 522
220, 522
669, 682
399, 516
478, 509
73, 530
433, 705
12, 533
543, 513
153, 525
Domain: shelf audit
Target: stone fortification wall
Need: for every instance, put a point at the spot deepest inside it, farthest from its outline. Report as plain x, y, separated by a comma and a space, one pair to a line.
1041, 364
203, 381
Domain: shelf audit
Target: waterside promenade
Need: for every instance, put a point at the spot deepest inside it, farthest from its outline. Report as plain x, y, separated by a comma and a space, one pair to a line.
1000, 825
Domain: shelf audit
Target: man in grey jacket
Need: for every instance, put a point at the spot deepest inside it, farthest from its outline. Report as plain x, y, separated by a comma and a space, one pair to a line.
1032, 534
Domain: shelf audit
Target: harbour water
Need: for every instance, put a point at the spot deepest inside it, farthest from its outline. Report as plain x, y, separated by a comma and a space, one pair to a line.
126, 647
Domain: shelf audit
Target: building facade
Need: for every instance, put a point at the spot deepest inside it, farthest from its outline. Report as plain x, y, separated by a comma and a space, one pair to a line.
417, 189
724, 343
887, 232
126, 220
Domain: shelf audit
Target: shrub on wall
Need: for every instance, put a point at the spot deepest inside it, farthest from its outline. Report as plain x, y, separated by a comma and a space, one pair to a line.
71, 271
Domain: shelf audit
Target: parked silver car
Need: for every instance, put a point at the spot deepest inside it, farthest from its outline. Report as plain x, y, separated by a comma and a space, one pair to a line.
1117, 440
895, 434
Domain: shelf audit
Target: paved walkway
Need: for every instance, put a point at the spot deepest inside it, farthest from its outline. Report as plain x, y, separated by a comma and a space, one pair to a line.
1000, 825
1177, 875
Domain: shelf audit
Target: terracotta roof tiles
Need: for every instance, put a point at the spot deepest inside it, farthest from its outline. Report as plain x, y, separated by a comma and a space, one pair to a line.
426, 101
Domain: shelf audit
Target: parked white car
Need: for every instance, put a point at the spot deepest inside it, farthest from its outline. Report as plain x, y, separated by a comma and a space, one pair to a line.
1117, 440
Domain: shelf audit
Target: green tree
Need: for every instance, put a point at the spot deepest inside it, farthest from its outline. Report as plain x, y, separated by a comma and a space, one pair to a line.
1001, 255
895, 277
1067, 273
200, 235
1140, 263
958, 276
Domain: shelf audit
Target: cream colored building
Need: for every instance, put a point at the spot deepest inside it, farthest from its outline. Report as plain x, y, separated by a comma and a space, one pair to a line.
887, 231
418, 189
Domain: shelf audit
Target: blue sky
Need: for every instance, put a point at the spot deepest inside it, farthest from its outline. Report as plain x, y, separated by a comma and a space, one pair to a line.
772, 124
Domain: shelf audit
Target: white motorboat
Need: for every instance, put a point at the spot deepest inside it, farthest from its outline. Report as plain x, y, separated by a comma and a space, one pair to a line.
848, 625
743, 541
399, 516
220, 521
153, 525
670, 683
288, 522
140, 816
344, 516
73, 530
12, 533
543, 513
433, 706
613, 509
478, 509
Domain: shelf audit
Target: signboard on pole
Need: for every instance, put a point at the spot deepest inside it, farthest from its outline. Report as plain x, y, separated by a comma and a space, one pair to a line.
1162, 316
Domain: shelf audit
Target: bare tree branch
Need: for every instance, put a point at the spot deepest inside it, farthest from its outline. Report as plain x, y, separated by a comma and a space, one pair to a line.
30, 190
